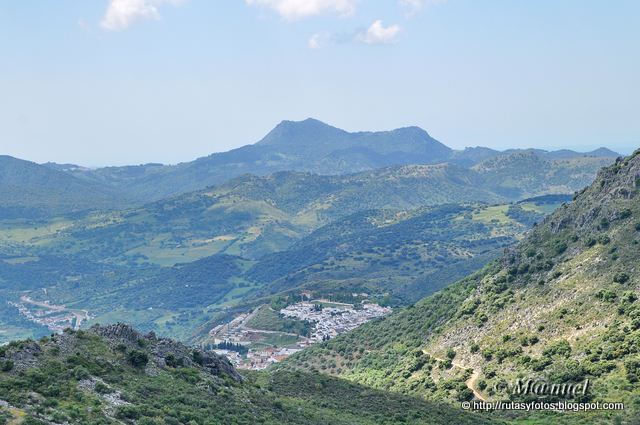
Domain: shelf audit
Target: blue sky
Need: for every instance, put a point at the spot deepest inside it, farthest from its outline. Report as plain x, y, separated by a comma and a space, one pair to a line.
100, 82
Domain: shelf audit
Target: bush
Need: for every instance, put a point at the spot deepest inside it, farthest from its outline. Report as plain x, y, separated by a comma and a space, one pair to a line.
7, 366
198, 358
621, 277
80, 373
137, 358
560, 247
171, 360
606, 295
604, 239
560, 348
102, 388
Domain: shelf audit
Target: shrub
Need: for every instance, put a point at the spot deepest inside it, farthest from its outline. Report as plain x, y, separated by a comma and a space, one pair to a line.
621, 277
560, 247
137, 358
171, 360
7, 366
80, 373
198, 358
606, 295
604, 239
102, 388
560, 348
633, 370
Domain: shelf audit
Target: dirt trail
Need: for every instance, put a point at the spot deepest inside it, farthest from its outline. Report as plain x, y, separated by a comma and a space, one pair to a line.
472, 382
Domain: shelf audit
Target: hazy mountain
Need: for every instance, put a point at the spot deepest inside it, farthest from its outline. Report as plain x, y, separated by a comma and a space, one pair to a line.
29, 190
308, 145
562, 307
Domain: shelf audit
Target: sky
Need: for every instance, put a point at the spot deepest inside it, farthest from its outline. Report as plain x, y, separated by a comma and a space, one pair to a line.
114, 82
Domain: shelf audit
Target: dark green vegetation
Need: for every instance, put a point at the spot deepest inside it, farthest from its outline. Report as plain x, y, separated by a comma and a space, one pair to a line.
402, 255
562, 306
110, 375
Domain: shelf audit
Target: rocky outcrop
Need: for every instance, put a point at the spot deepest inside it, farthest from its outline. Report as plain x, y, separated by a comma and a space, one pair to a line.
165, 352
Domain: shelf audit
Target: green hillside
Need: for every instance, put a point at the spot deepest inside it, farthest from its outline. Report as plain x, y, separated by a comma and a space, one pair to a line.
405, 255
530, 173
249, 216
29, 190
115, 375
561, 306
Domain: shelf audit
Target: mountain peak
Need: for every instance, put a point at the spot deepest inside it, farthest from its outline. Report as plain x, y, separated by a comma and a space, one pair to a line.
604, 152
308, 131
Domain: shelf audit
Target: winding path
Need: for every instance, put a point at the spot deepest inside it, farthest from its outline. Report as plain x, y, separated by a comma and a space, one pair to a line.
472, 382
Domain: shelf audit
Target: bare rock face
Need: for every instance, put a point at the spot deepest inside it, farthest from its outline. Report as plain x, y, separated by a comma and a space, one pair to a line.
21, 357
165, 352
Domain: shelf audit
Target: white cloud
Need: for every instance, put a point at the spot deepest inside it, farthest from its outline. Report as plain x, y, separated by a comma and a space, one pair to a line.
379, 34
298, 9
414, 6
123, 13
316, 41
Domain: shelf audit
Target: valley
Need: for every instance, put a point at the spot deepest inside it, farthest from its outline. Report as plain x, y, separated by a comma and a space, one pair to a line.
365, 276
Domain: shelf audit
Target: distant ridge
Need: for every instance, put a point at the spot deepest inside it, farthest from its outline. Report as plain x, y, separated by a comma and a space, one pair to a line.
29, 190
309, 145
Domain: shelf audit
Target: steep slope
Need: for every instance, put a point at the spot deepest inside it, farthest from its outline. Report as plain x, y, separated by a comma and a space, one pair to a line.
115, 375
29, 190
560, 307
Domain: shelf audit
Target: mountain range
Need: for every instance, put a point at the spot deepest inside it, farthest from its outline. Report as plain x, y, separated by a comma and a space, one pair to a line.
306, 146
